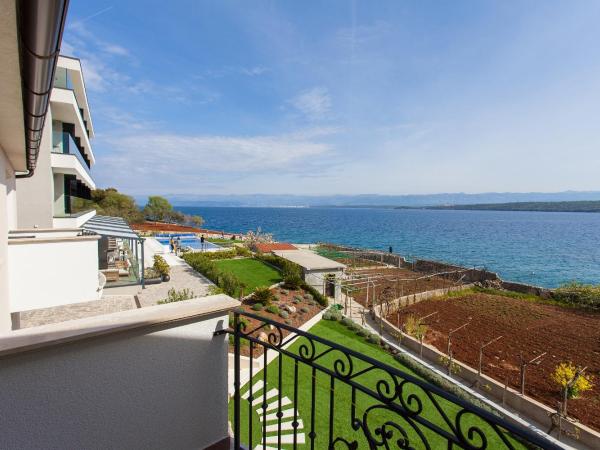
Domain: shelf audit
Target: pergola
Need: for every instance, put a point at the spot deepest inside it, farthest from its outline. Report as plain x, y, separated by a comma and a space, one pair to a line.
116, 227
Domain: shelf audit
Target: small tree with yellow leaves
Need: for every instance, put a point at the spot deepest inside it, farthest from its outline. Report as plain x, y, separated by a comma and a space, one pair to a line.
571, 378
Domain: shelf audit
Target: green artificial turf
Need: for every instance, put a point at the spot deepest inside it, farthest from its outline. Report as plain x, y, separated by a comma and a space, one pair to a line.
342, 398
252, 272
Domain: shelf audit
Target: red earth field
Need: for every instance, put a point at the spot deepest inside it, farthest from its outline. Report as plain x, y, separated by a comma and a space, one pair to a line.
528, 327
400, 282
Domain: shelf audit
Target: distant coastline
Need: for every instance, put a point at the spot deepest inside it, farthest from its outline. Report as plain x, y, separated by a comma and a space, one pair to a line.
569, 206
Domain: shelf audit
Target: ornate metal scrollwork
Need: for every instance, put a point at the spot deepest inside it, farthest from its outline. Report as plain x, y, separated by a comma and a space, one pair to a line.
402, 411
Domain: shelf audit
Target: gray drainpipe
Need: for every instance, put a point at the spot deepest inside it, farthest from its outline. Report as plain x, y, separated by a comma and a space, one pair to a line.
40, 25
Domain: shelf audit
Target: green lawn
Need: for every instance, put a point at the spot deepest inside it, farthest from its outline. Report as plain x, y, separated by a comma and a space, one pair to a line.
252, 272
342, 398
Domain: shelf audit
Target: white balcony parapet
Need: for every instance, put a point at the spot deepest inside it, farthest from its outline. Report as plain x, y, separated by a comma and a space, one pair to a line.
74, 220
65, 108
69, 164
115, 377
73, 66
52, 269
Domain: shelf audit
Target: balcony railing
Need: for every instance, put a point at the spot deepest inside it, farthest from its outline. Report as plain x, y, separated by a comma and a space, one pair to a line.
70, 147
319, 394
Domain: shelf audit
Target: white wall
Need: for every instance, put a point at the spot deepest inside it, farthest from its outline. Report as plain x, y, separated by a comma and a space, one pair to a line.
36, 198
44, 274
160, 387
7, 220
315, 279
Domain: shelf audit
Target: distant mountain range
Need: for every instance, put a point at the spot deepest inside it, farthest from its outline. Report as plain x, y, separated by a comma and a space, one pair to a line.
372, 200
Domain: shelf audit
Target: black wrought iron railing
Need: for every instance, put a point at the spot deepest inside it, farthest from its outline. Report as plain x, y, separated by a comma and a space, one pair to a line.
319, 394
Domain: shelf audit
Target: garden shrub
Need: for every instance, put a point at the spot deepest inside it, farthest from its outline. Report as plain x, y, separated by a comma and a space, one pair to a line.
225, 280
298, 297
229, 282
161, 266
288, 322
374, 339
327, 315
362, 332
320, 298
304, 309
296, 301
578, 294
263, 295
292, 281
284, 314
177, 296
284, 292
347, 321
214, 290
257, 307
150, 273
307, 296
272, 309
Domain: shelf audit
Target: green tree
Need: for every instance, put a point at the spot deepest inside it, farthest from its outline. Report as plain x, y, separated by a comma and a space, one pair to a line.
110, 202
159, 208
195, 221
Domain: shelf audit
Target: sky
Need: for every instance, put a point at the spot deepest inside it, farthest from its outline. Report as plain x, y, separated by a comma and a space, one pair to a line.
341, 97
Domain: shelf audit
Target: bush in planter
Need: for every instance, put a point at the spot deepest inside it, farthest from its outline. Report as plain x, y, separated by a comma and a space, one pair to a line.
273, 309
284, 292
257, 307
284, 314
151, 273
304, 309
161, 266
298, 297
263, 295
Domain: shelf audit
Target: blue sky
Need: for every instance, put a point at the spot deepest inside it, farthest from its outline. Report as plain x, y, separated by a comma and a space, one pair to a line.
386, 97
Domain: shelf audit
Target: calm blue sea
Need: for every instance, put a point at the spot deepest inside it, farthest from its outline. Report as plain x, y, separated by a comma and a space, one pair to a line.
545, 249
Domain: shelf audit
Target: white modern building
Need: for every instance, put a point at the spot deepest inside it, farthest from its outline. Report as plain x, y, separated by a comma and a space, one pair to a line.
57, 194
46, 161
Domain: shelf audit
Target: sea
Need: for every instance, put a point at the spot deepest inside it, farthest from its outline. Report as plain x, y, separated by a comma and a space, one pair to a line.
540, 248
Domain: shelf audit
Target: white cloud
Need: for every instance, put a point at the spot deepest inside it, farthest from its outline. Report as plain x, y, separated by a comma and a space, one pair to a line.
226, 71
166, 162
314, 103
114, 49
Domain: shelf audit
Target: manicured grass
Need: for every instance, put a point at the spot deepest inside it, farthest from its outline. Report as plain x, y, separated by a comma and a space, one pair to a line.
342, 397
224, 241
252, 272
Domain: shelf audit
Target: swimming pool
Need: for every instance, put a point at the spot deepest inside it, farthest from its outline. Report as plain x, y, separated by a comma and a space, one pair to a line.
186, 240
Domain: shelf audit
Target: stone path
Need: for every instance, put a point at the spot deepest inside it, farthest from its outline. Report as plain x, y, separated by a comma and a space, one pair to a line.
62, 313
272, 413
182, 277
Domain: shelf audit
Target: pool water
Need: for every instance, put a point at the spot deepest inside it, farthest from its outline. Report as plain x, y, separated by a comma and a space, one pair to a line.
186, 240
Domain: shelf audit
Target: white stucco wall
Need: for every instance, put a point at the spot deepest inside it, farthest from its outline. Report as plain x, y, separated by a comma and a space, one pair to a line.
7, 219
152, 388
44, 274
36, 198
315, 279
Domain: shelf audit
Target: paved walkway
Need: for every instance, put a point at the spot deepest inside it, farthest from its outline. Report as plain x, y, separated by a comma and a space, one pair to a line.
182, 277
62, 313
